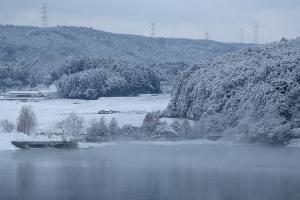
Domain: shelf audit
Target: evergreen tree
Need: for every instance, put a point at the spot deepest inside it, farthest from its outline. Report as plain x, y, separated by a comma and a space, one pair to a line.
175, 125
150, 124
103, 131
186, 130
114, 129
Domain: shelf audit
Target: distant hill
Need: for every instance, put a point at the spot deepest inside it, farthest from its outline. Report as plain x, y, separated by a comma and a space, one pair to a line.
44, 48
254, 93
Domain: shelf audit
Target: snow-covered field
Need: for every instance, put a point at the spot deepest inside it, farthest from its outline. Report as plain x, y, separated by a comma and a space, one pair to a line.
49, 112
132, 110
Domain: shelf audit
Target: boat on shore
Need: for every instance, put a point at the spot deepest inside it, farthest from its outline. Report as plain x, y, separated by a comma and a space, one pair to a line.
45, 144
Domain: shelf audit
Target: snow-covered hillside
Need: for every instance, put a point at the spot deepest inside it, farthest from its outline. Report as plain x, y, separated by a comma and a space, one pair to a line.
255, 93
44, 48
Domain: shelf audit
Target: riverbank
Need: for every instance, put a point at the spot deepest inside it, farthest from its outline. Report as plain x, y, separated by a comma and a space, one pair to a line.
7, 138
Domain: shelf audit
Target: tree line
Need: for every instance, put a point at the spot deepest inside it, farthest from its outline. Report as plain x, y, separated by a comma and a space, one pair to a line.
100, 130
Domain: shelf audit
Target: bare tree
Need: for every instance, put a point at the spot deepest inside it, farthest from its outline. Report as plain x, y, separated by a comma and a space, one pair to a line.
26, 120
7, 126
72, 126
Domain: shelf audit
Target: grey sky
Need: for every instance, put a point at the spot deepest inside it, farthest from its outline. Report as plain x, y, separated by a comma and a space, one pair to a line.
223, 19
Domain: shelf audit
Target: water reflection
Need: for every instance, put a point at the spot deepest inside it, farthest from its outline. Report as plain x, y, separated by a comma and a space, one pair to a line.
139, 171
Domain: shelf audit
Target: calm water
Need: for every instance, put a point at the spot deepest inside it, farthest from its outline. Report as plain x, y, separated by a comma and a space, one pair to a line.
152, 172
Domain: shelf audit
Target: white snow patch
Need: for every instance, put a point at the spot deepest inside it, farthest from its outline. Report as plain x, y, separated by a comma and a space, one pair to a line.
7, 138
294, 143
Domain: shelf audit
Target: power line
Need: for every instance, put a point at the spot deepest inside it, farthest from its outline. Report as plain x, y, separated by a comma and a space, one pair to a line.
153, 29
256, 33
242, 35
45, 14
206, 35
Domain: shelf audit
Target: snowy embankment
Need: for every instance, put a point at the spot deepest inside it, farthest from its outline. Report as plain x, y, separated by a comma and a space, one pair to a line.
6, 138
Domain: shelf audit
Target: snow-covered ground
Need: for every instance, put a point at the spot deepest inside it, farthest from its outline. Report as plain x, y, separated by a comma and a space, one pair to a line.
49, 112
294, 143
6, 138
132, 110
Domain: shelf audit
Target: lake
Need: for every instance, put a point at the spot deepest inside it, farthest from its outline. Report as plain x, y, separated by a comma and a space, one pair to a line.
152, 171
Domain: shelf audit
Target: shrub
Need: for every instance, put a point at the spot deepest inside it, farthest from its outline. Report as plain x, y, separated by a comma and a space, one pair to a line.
97, 130
72, 126
7, 126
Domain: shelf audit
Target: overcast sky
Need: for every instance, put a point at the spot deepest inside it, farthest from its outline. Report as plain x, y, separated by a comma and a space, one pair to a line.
223, 19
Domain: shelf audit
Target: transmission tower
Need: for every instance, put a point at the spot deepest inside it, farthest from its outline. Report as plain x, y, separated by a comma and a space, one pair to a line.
44, 14
256, 33
153, 29
206, 35
242, 35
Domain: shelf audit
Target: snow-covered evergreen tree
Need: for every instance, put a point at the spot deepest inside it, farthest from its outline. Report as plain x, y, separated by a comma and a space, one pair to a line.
113, 128
259, 84
93, 78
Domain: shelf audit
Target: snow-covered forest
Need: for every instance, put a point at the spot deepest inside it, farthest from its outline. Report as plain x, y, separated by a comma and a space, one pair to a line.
251, 95
49, 46
93, 78
39, 50
14, 76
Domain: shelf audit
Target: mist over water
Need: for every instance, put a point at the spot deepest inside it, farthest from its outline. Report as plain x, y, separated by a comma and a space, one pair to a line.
150, 171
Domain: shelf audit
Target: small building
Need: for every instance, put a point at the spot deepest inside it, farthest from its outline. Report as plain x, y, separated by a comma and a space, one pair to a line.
24, 94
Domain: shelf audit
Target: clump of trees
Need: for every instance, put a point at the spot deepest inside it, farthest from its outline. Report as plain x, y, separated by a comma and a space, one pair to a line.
13, 76
99, 130
93, 78
169, 72
26, 121
18, 75
151, 129
72, 126
253, 93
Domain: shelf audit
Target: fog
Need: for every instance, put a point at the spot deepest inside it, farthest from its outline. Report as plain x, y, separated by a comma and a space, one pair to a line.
153, 171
